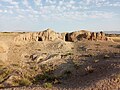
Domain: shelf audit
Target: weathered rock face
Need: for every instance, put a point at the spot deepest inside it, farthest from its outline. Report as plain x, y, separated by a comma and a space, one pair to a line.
47, 35
50, 35
79, 35
98, 36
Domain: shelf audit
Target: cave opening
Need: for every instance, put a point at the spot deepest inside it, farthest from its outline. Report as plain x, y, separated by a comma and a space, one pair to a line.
40, 39
66, 37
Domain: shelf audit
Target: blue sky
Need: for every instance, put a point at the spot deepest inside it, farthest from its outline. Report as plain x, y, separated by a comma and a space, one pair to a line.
59, 15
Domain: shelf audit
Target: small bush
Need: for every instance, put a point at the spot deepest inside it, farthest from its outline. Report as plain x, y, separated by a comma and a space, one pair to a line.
15, 65
45, 77
5, 73
47, 85
24, 82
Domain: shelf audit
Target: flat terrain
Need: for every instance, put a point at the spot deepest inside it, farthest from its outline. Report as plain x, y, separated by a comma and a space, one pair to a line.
116, 39
58, 65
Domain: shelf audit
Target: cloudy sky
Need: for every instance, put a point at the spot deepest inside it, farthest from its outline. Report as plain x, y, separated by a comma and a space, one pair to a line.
60, 15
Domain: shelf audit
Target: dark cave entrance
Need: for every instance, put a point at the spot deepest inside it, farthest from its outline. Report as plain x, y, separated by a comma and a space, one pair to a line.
66, 37
39, 39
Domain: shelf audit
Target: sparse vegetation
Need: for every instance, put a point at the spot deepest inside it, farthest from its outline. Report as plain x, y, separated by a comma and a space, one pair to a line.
24, 82
46, 77
76, 64
15, 65
44, 64
47, 85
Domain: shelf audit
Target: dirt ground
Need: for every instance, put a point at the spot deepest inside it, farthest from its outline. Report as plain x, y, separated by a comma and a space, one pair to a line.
80, 65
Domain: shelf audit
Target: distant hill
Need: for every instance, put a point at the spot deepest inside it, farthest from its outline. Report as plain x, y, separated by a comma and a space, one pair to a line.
112, 32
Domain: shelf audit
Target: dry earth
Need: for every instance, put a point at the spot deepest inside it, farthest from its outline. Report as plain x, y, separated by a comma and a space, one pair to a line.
59, 65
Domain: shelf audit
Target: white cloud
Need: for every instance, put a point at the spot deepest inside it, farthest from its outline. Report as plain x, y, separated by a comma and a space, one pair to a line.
26, 3
14, 3
5, 11
20, 16
88, 1
35, 12
116, 4
94, 2
70, 9
51, 1
37, 2
31, 16
37, 16
61, 2
86, 15
10, 7
11, 2
10, 11
6, 0
72, 2
1, 11
100, 14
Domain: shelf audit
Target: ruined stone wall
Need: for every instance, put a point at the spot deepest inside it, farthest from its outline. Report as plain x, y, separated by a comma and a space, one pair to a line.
49, 35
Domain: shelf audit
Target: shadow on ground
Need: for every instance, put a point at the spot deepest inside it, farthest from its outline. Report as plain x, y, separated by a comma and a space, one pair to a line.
93, 69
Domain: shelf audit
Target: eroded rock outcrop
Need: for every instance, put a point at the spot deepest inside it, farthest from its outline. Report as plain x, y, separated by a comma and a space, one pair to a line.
78, 35
50, 35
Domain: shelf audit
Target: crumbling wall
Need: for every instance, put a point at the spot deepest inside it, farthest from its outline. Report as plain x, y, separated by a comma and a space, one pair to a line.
50, 35
47, 35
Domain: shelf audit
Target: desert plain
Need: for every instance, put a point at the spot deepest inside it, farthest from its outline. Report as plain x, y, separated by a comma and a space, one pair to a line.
80, 60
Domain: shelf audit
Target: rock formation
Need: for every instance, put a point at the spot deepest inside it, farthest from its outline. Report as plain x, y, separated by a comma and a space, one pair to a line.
78, 35
50, 35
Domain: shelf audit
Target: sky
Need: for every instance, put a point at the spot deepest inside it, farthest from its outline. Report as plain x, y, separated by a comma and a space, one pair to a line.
59, 15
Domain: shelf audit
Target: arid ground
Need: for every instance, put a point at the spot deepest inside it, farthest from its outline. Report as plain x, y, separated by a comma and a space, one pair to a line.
59, 65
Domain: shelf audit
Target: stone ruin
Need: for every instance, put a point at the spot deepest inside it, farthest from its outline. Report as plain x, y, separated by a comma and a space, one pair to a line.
50, 35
